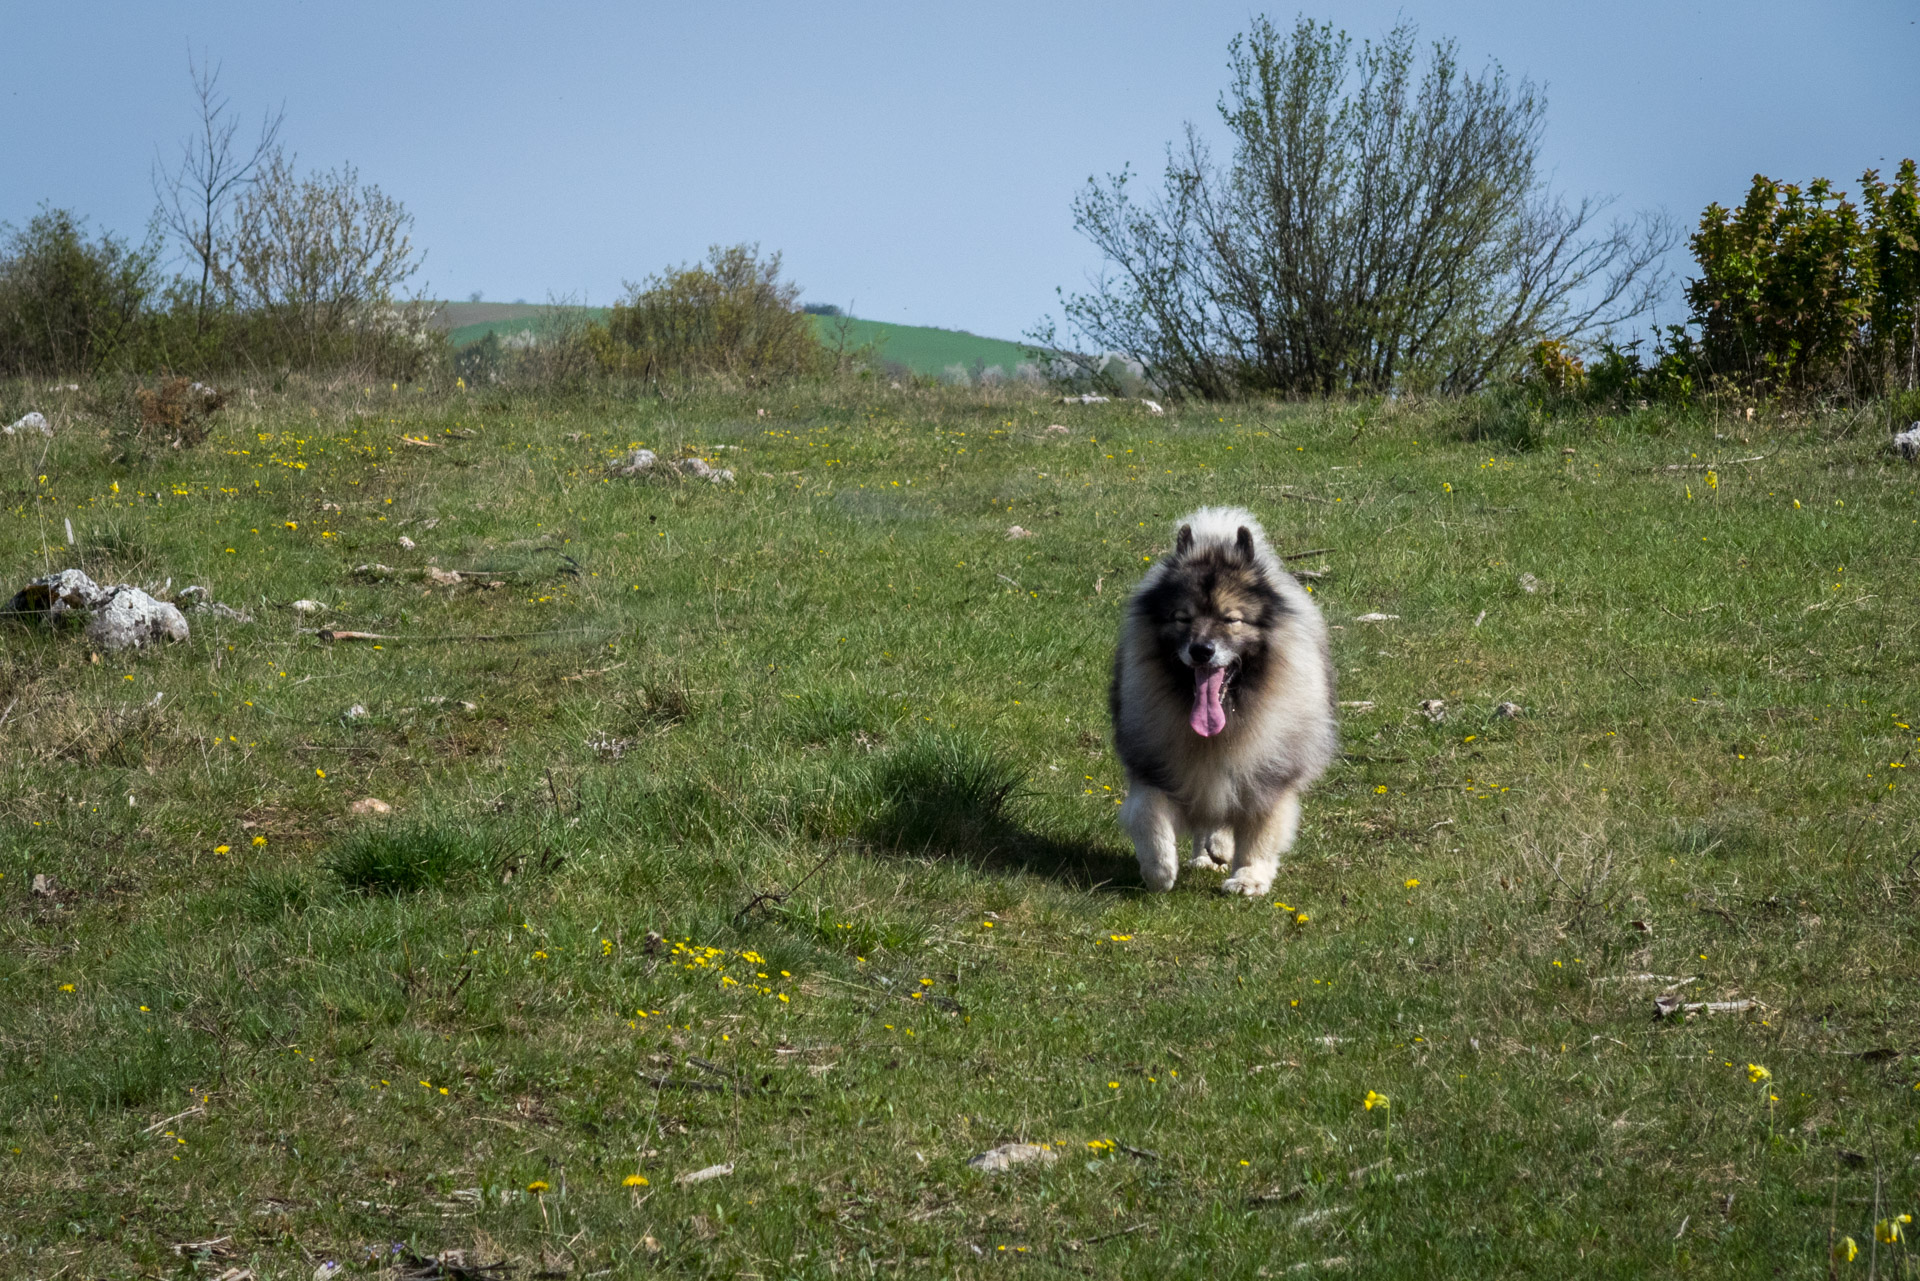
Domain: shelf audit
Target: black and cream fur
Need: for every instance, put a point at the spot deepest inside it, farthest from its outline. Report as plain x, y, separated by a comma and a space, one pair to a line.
1223, 704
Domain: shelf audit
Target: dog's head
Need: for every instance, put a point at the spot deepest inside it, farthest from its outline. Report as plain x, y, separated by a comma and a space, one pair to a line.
1210, 611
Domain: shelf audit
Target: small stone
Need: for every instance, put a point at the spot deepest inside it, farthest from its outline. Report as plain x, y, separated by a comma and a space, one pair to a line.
357, 712
1434, 709
1008, 1155
443, 577
370, 805
1908, 443
45, 886
29, 422
130, 618
710, 1172
1152, 408
702, 470
407, 544
1015, 531
638, 462
1529, 584
1058, 429
306, 607
1377, 618
1507, 711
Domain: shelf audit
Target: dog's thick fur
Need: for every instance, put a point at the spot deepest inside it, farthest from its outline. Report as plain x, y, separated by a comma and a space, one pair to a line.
1223, 704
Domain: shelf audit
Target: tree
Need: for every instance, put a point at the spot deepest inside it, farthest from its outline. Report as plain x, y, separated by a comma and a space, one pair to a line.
1369, 232
318, 257
197, 193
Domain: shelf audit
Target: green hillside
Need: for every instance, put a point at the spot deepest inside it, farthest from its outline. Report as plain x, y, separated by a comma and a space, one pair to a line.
919, 349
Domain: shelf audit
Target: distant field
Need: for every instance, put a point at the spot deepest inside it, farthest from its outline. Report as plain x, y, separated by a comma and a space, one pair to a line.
920, 349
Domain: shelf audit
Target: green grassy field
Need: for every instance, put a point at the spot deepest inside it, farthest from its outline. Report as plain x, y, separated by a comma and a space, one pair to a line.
919, 349
246, 1028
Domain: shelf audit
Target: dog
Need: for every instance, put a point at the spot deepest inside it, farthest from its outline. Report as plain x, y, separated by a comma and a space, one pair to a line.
1222, 702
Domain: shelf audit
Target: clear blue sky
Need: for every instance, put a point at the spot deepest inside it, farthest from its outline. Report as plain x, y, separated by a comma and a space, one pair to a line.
917, 161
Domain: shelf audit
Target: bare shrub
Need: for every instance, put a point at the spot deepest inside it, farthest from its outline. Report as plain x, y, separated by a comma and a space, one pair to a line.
179, 408
1369, 233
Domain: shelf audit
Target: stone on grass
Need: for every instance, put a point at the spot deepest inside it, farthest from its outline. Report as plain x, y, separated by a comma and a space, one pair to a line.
1434, 709
1008, 1155
1908, 443
306, 607
370, 805
130, 618
1507, 711
710, 1172
358, 712
700, 469
118, 617
407, 544
1529, 584
29, 422
639, 461
1015, 531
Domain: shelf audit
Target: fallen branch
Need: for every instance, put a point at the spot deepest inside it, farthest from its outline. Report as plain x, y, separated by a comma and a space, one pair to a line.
424, 444
1709, 466
783, 896
1667, 1005
332, 634
1314, 551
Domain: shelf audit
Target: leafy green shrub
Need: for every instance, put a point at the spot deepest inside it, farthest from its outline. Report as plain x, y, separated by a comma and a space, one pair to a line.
1799, 294
732, 315
70, 305
402, 858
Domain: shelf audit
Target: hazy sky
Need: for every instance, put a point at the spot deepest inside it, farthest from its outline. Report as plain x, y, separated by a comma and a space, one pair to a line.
914, 161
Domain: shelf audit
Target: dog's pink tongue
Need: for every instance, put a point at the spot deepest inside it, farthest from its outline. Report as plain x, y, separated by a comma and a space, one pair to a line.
1209, 718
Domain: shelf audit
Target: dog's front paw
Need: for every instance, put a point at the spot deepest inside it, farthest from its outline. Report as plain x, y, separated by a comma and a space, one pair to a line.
1159, 874
1244, 882
1205, 862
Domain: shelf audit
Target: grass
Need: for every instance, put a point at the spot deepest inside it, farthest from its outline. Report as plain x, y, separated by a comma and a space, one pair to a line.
773, 824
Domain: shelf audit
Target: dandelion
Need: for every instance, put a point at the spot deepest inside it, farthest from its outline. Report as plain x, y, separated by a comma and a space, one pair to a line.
634, 1181
1301, 918
222, 849
1412, 883
538, 1186
1374, 1100
1113, 1085
1380, 790
66, 987
318, 772
1713, 479
258, 841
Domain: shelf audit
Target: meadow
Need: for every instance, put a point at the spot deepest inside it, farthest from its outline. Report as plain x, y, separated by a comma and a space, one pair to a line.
771, 826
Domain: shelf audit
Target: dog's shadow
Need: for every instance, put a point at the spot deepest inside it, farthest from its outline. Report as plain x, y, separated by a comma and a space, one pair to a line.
952, 799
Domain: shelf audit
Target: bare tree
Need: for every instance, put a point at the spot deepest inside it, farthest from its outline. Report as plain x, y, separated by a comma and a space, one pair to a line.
1369, 232
319, 257
197, 192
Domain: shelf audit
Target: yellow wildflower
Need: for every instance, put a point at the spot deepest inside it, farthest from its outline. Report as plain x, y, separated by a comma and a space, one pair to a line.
1757, 1074
537, 1186
634, 1181
1845, 1251
1374, 1100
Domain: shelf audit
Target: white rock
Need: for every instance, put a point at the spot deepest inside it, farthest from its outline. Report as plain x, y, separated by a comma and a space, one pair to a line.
640, 460
698, 467
1086, 399
1057, 429
57, 595
407, 544
29, 422
1008, 1155
711, 1172
1376, 618
357, 712
307, 607
1015, 531
1507, 711
1529, 584
1434, 709
370, 805
1151, 406
1908, 443
130, 618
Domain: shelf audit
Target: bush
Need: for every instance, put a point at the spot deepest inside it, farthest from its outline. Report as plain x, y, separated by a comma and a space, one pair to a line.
70, 305
732, 316
1798, 294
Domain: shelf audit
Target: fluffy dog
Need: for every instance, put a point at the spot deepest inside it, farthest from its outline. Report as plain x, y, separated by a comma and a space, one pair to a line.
1223, 704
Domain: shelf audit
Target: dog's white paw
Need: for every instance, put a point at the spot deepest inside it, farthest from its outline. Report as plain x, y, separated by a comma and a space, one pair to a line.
1159, 873
1242, 882
1207, 863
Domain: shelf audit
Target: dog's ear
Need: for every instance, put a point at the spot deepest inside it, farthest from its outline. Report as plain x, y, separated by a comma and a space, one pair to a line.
1183, 543
1243, 545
